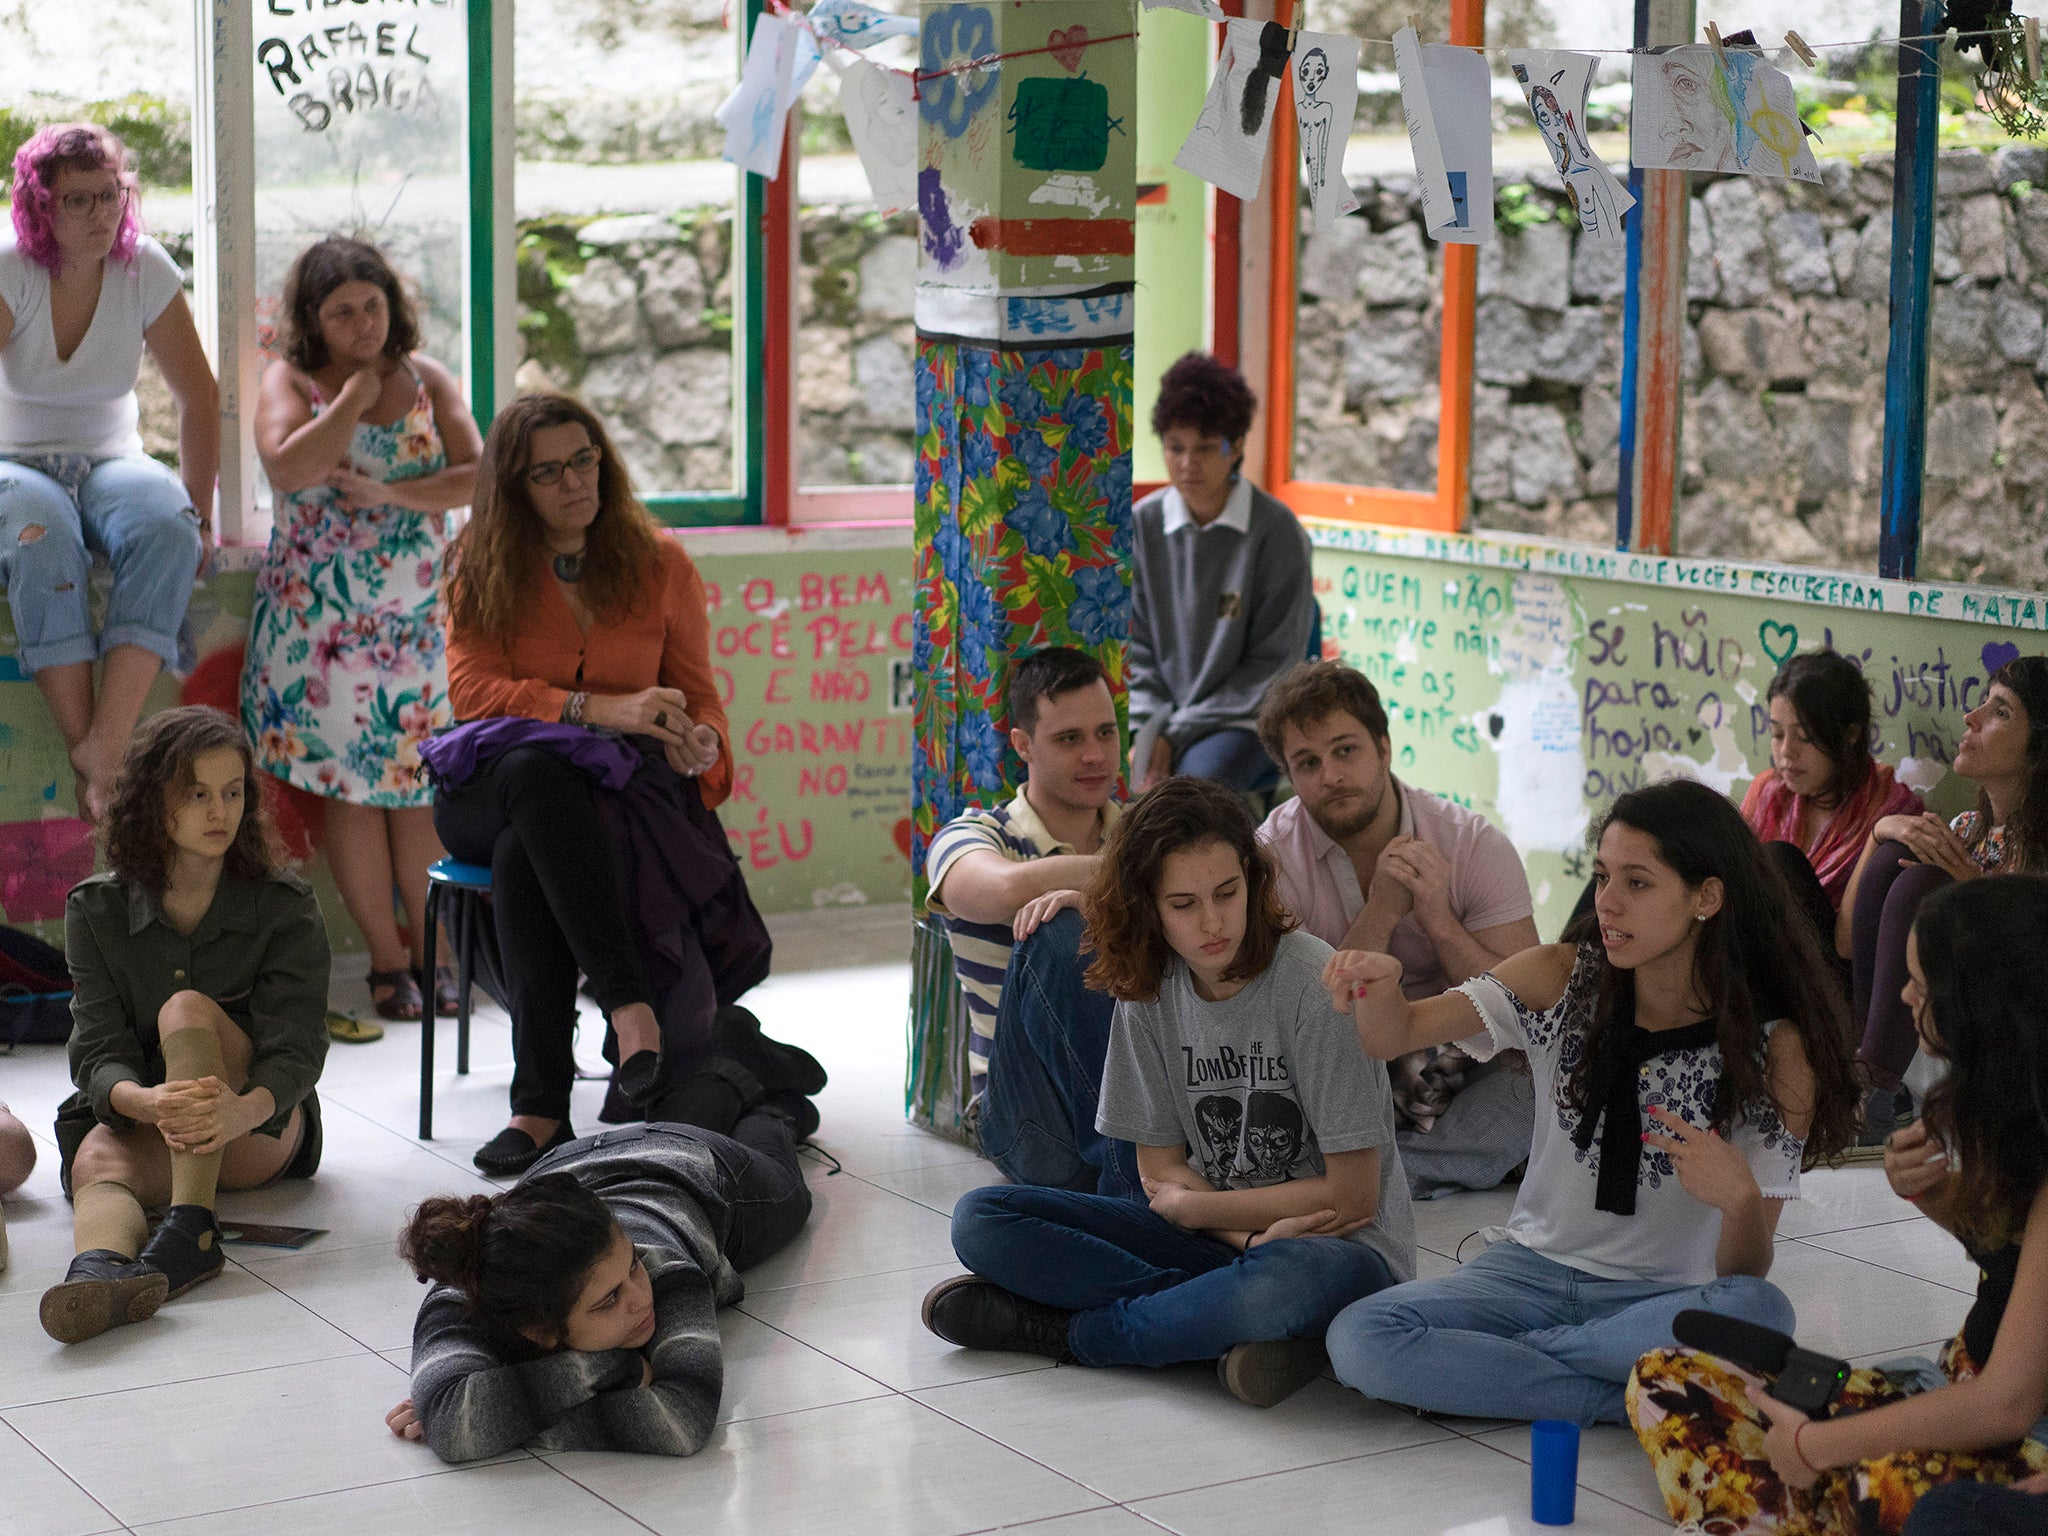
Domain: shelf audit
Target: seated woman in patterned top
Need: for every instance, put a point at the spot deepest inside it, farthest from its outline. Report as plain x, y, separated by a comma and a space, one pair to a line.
1738, 1462
578, 1309
1689, 1060
199, 1023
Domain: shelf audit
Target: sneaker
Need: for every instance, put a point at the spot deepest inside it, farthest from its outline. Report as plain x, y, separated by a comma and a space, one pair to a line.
101, 1290
185, 1248
976, 1314
1271, 1370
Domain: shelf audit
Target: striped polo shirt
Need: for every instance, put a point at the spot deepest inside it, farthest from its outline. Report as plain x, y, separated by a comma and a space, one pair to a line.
981, 951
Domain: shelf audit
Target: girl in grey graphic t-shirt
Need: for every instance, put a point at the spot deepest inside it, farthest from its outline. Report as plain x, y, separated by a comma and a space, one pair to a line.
1265, 1135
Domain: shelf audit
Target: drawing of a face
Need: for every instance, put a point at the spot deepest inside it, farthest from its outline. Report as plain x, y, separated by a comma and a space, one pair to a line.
1221, 1119
1685, 137
1314, 70
1274, 1135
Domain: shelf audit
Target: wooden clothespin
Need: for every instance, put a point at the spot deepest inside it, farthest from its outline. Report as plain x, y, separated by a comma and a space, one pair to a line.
1798, 45
1415, 25
1714, 37
2032, 32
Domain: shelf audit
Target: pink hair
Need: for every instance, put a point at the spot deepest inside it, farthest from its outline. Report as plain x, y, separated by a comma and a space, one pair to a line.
63, 147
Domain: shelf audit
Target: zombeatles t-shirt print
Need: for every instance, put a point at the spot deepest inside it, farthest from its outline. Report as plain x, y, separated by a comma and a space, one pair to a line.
1259, 1087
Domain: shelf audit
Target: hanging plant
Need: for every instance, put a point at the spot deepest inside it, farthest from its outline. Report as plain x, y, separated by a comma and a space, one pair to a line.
2010, 85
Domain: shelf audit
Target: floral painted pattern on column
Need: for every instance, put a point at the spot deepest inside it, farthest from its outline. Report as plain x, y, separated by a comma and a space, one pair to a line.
1023, 541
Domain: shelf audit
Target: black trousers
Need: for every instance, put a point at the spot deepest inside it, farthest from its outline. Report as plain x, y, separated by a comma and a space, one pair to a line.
532, 817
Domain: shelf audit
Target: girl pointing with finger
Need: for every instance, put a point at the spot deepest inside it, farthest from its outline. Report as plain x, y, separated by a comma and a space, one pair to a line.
1689, 1061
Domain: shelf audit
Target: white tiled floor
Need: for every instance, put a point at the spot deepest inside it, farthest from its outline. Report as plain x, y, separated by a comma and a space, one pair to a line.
256, 1404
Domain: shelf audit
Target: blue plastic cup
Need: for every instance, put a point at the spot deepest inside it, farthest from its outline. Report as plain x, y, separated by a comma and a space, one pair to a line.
1553, 1471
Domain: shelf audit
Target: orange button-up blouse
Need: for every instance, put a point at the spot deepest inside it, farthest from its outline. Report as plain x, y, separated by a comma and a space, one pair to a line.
666, 644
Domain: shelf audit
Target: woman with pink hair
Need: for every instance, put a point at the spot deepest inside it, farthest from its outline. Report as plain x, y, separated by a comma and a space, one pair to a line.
83, 291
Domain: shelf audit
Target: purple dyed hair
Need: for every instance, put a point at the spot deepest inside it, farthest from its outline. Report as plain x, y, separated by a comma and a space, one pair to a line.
68, 147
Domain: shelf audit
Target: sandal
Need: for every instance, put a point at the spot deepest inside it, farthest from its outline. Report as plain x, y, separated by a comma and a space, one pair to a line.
447, 996
352, 1031
395, 994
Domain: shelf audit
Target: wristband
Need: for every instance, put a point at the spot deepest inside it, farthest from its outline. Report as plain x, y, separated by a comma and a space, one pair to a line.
1800, 1451
572, 708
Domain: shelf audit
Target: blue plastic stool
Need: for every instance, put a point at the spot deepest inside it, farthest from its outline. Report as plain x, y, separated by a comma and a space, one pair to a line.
467, 888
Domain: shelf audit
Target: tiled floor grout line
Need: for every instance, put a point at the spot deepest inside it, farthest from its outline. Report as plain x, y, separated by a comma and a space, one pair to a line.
439, 1469
186, 1381
83, 1491
1908, 1274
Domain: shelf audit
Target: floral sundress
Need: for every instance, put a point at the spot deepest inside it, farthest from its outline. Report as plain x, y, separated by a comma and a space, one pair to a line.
346, 673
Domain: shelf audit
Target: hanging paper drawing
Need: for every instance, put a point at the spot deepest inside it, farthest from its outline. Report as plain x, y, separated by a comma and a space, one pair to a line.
1699, 108
1447, 97
1555, 85
753, 116
1227, 145
881, 119
1325, 102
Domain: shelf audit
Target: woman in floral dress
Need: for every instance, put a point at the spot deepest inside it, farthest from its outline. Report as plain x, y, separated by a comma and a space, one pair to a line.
368, 446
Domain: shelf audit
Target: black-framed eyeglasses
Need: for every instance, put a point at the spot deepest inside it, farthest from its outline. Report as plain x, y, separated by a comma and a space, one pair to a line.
84, 204
549, 471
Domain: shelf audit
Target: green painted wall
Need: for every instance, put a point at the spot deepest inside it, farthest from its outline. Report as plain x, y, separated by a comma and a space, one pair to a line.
1533, 681
810, 637
1536, 682
1173, 213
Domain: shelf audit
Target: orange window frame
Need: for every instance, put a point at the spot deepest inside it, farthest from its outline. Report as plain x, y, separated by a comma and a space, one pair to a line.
1448, 507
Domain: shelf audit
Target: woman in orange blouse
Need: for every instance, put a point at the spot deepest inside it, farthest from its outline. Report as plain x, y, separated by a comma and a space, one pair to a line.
566, 603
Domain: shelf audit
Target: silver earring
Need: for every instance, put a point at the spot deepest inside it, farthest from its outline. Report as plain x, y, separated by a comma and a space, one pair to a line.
1699, 917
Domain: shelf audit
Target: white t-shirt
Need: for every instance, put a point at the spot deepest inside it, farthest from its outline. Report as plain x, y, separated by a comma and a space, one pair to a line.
86, 403
1671, 1238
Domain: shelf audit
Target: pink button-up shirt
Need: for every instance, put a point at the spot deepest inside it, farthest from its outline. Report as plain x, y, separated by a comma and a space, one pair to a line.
1320, 887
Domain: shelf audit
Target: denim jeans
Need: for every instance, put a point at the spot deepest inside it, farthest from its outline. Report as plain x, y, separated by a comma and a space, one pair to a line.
1145, 1292
1978, 1509
1515, 1335
132, 510
1479, 1140
1045, 1072
1232, 756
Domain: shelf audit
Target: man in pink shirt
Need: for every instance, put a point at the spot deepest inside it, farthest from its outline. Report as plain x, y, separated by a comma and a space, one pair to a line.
1367, 862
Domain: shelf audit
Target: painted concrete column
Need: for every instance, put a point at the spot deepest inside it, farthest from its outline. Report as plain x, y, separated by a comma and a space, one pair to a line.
1026, 192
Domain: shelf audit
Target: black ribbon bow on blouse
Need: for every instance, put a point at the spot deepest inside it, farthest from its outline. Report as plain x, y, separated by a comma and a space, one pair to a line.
1614, 1102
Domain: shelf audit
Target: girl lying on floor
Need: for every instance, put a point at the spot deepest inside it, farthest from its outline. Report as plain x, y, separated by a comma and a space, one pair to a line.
578, 1309
1737, 1461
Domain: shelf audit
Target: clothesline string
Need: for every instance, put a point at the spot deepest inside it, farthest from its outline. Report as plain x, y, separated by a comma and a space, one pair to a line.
991, 60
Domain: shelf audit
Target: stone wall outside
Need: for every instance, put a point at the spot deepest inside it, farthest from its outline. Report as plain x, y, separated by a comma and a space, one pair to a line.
1784, 361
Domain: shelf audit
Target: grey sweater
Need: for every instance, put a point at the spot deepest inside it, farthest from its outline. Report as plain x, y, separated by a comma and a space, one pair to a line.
1216, 615
479, 1393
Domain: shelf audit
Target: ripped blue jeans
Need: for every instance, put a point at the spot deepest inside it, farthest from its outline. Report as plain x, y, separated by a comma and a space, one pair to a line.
132, 510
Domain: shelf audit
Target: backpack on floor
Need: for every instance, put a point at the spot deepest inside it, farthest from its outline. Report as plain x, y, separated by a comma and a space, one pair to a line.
35, 991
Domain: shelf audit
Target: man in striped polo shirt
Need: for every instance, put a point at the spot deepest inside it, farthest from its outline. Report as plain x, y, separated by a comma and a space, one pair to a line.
1008, 884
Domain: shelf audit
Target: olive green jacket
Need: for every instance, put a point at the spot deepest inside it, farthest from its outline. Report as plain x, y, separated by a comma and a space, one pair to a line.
260, 952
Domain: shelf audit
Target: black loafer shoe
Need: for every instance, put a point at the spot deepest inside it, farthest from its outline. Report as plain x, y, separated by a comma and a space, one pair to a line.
185, 1249
101, 1290
737, 1033
513, 1151
638, 1078
979, 1314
